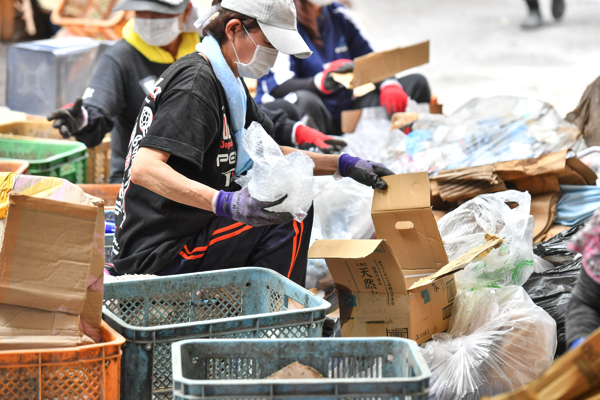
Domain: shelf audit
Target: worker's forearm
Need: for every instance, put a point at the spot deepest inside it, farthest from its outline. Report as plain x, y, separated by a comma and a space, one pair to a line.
160, 178
325, 164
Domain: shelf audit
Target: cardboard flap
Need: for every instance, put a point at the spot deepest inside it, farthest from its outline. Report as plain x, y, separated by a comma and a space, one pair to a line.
404, 192
461, 262
349, 249
361, 266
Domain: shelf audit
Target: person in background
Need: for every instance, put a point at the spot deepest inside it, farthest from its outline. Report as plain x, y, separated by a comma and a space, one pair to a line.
179, 209
583, 314
158, 35
534, 18
335, 37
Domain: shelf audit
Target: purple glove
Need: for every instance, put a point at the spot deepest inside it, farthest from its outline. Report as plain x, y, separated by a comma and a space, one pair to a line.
366, 172
241, 207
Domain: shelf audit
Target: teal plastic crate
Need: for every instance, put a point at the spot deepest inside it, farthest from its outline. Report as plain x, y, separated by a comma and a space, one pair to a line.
354, 368
59, 158
236, 303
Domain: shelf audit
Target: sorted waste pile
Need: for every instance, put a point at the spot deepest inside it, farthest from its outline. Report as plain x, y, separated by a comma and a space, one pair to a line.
483, 131
498, 338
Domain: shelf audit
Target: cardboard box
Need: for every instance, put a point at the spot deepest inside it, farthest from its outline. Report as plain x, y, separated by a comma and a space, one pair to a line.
52, 263
400, 285
378, 66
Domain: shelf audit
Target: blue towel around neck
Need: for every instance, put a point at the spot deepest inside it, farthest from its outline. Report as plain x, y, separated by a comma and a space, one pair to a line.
236, 98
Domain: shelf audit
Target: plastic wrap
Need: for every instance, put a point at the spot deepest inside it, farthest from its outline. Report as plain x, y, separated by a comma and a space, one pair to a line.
370, 135
577, 204
485, 131
488, 214
498, 340
555, 249
274, 175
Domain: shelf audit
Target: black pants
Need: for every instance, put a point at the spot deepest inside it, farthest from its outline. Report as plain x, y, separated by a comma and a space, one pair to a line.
226, 243
310, 104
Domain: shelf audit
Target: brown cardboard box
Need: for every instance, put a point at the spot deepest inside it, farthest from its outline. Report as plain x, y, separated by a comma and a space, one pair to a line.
400, 285
49, 249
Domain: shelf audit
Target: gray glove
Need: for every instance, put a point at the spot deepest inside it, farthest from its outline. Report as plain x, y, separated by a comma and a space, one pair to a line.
366, 172
241, 207
68, 120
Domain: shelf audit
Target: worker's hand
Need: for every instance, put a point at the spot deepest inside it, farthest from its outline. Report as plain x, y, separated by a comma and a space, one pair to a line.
393, 97
325, 82
366, 172
68, 120
307, 137
241, 207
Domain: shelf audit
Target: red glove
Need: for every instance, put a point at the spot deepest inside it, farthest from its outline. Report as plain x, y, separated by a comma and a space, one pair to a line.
393, 97
323, 80
307, 137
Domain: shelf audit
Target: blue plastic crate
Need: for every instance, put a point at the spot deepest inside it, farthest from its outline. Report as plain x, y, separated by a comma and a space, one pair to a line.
354, 368
237, 303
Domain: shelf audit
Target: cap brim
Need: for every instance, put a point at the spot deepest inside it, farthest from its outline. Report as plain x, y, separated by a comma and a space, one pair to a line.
153, 6
286, 41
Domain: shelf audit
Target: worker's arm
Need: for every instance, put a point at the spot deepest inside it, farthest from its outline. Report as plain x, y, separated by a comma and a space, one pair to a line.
150, 170
366, 172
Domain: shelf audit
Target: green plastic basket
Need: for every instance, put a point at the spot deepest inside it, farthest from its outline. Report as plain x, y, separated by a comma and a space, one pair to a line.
60, 158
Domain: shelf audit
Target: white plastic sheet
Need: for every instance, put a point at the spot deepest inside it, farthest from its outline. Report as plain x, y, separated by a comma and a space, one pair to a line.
498, 340
489, 214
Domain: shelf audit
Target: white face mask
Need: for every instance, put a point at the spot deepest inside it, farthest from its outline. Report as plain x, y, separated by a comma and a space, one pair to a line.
157, 31
262, 62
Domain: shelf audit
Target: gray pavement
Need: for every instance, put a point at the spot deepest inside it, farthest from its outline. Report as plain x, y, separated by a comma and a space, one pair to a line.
478, 49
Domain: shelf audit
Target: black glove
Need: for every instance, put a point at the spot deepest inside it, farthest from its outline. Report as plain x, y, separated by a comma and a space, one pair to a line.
68, 120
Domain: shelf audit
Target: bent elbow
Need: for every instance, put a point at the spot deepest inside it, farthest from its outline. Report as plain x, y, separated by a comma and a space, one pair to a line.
138, 173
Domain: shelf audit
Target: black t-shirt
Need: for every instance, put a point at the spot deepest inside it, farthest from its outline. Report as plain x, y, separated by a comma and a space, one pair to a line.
121, 80
185, 115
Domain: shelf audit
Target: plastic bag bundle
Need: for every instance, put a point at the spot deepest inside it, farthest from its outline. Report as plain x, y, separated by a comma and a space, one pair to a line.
489, 214
498, 340
274, 175
485, 131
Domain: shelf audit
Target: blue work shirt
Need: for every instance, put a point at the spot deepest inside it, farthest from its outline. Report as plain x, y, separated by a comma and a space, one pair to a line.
342, 38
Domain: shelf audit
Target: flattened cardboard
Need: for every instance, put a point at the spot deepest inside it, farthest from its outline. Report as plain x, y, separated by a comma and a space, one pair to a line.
543, 209
461, 262
52, 258
407, 199
376, 67
39, 270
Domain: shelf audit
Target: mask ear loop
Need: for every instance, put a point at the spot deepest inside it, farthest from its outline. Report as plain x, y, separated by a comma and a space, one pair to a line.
232, 45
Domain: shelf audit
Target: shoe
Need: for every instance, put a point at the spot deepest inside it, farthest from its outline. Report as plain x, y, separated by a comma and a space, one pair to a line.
558, 9
533, 20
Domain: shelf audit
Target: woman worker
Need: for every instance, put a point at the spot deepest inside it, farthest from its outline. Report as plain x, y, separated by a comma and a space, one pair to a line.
179, 210
333, 34
159, 34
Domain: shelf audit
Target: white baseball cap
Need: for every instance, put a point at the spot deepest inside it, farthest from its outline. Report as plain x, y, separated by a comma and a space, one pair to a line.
277, 20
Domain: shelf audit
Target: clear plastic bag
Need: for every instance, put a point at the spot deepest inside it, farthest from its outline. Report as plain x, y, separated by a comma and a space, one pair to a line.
498, 340
489, 214
485, 131
274, 175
